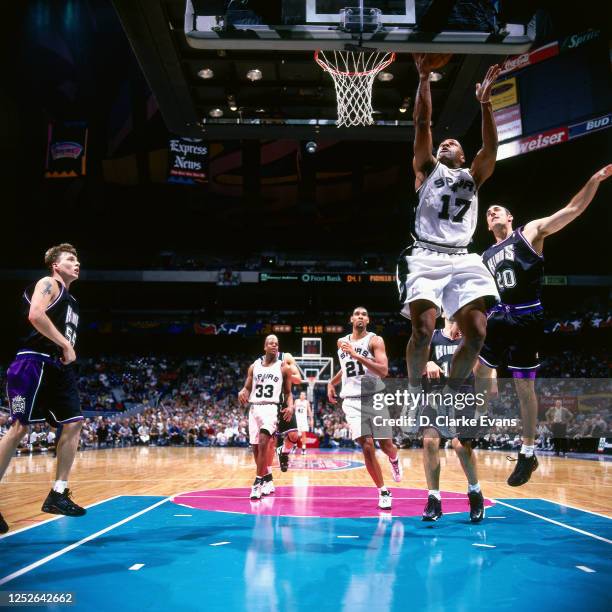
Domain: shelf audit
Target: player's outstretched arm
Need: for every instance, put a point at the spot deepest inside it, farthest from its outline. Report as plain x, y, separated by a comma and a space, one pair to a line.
44, 293
245, 392
484, 162
423, 161
535, 231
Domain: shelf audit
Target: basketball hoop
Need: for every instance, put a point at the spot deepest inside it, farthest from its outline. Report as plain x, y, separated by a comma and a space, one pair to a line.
354, 73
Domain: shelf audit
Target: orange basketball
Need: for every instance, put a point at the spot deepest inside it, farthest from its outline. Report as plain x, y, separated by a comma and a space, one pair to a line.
437, 60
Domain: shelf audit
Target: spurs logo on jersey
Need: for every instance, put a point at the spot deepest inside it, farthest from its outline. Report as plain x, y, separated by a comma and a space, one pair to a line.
267, 382
447, 208
353, 371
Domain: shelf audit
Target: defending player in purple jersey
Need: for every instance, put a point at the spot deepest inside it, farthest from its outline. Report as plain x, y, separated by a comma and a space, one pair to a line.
41, 382
515, 326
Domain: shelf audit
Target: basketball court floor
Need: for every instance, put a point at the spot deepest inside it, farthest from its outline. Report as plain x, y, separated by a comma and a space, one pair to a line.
173, 528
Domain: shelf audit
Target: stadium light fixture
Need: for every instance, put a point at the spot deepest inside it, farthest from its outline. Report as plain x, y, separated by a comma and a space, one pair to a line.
255, 74
206, 73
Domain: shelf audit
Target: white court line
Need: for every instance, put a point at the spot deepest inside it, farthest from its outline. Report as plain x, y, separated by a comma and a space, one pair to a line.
54, 518
350, 536
136, 567
483, 545
544, 518
183, 515
586, 569
219, 543
28, 568
496, 517
552, 501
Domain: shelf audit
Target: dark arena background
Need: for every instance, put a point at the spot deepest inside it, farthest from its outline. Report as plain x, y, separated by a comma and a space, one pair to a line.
190, 152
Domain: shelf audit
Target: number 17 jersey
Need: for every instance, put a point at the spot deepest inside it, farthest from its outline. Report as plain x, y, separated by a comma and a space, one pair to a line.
447, 208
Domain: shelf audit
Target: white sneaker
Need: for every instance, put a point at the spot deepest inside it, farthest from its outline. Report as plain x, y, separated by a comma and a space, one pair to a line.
384, 500
267, 487
256, 491
396, 469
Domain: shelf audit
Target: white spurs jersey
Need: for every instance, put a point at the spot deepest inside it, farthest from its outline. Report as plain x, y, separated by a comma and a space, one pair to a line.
267, 382
447, 208
301, 408
353, 371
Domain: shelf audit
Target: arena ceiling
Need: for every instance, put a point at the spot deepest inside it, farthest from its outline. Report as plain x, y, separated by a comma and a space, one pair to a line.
295, 98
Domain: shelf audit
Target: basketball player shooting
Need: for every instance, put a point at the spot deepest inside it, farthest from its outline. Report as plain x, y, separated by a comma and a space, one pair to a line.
436, 270
516, 325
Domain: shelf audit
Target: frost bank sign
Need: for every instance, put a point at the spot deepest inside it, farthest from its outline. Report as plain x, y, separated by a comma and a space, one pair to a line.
188, 160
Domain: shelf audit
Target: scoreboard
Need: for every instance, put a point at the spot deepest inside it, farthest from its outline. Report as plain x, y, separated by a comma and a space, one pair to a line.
306, 278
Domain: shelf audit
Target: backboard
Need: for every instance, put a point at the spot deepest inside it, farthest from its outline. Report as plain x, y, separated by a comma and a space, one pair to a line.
308, 25
392, 12
314, 370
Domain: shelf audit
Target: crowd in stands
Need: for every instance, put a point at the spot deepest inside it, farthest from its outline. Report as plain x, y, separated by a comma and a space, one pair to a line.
163, 401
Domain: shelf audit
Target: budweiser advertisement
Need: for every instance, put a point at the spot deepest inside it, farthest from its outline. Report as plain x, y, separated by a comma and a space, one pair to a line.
533, 143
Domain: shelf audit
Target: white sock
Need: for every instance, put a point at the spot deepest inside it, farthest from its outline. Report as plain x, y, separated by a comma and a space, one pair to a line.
396, 458
60, 485
435, 493
383, 490
474, 488
527, 450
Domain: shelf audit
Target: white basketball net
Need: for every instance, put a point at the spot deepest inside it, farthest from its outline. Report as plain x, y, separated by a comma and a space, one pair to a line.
354, 73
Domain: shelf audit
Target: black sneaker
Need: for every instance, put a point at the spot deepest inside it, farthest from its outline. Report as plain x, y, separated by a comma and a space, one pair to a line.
3, 525
433, 509
60, 503
283, 459
525, 466
477, 509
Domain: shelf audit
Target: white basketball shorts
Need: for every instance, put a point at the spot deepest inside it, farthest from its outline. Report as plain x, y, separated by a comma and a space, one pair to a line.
302, 423
262, 416
373, 423
449, 281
